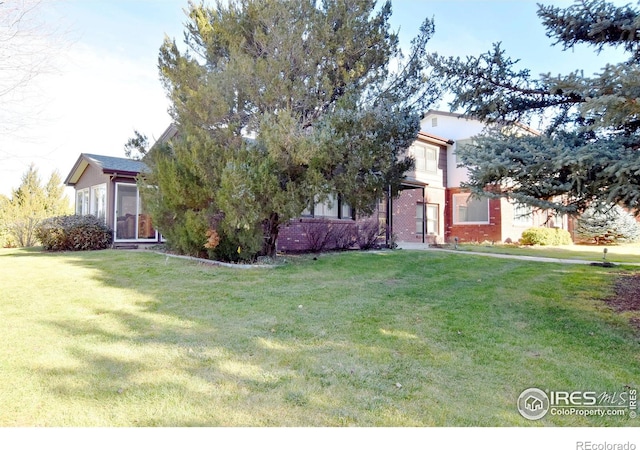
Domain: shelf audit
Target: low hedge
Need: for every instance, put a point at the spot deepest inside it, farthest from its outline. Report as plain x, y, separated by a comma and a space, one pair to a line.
74, 233
545, 236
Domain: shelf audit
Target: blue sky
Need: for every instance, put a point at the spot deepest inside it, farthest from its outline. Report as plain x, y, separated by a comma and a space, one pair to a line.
103, 79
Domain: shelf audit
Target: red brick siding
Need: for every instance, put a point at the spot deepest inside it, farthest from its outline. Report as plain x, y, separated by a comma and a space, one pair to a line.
295, 236
473, 233
404, 215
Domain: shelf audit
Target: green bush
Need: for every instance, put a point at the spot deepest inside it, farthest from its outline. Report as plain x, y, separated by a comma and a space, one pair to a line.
545, 236
74, 233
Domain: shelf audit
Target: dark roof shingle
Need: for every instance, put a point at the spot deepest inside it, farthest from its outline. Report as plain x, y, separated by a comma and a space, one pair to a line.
114, 164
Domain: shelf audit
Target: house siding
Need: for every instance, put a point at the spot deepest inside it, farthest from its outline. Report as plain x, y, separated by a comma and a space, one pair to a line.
404, 215
303, 233
473, 232
91, 176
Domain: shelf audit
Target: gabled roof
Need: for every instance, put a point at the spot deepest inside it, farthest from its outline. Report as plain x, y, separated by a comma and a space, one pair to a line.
108, 165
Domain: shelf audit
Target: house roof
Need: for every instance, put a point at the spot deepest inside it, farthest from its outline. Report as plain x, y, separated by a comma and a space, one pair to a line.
107, 164
169, 133
432, 137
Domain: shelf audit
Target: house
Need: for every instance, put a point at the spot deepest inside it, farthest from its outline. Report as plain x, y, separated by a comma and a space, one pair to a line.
106, 187
431, 207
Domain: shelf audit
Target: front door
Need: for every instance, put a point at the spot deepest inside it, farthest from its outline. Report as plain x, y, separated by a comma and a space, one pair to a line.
132, 221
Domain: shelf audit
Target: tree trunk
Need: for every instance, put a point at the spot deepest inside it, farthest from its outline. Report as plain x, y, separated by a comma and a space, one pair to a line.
272, 228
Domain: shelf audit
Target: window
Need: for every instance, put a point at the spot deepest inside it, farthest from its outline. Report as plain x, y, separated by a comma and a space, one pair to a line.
82, 202
432, 219
93, 201
426, 158
331, 208
522, 215
468, 210
328, 208
420, 219
99, 201
434, 122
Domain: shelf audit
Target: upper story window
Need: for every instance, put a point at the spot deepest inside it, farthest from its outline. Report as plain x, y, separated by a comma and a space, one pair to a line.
426, 158
470, 210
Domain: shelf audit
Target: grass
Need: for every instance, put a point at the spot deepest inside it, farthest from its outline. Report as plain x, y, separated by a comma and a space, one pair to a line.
118, 338
629, 253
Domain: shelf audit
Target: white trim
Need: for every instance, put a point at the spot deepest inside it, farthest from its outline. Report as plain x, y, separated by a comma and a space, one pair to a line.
92, 199
84, 208
137, 217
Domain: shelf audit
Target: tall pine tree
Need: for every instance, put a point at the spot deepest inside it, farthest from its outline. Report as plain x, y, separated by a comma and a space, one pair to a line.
279, 103
589, 151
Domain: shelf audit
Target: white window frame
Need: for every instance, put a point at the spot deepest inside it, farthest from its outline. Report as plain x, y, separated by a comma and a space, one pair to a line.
430, 208
137, 216
98, 210
522, 215
459, 200
420, 230
83, 201
426, 158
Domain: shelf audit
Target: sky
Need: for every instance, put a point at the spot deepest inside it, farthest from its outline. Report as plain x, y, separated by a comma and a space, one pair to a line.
98, 81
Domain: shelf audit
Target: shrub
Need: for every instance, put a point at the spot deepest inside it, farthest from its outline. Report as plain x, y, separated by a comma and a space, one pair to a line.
607, 225
74, 233
239, 245
319, 235
545, 236
345, 235
368, 234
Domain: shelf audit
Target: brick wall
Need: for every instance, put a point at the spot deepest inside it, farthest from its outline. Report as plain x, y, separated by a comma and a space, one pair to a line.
473, 232
305, 233
404, 215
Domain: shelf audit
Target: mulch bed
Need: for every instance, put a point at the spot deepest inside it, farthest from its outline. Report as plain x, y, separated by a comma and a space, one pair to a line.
627, 296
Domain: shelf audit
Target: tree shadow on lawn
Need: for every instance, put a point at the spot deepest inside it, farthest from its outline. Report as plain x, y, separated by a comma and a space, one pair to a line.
203, 346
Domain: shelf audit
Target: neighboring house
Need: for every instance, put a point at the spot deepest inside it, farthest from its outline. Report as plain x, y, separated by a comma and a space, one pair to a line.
449, 211
431, 207
106, 187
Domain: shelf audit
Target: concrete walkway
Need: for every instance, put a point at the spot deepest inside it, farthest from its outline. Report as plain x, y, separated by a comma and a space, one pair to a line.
418, 246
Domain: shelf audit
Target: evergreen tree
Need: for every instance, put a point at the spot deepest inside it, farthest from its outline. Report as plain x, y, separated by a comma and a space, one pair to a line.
280, 103
607, 225
29, 204
589, 151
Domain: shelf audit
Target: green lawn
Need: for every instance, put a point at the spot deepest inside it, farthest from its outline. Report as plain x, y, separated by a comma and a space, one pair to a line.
405, 338
629, 253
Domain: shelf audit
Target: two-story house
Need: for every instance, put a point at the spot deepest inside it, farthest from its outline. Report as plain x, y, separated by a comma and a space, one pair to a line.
432, 207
